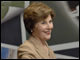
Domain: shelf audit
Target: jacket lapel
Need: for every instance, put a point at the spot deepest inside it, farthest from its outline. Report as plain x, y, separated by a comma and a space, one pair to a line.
39, 48
42, 53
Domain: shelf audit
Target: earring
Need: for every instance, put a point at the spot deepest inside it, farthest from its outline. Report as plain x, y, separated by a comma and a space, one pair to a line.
31, 30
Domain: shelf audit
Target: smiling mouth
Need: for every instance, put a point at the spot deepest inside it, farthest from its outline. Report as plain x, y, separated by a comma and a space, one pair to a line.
48, 33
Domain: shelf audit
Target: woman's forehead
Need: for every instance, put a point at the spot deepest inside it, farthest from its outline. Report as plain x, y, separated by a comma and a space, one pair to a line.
47, 19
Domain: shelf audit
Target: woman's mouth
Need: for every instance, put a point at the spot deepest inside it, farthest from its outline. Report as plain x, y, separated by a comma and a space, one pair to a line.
48, 33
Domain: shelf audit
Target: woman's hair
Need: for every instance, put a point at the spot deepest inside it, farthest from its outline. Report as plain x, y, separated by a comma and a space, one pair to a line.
35, 12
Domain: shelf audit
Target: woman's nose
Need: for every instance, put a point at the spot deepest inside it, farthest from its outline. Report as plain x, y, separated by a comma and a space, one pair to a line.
49, 26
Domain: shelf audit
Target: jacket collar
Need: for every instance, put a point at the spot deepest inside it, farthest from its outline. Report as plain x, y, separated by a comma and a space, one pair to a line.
39, 47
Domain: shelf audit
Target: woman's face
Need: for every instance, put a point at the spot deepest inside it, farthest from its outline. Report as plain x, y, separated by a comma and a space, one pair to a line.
42, 29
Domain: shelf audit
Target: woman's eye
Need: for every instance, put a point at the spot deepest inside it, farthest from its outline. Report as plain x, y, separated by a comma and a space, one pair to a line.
50, 21
43, 23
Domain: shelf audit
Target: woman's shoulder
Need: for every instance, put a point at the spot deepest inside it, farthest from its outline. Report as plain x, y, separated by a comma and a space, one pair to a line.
25, 49
26, 45
27, 42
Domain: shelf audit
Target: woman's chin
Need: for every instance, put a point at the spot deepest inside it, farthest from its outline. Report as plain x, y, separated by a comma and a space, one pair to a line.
47, 38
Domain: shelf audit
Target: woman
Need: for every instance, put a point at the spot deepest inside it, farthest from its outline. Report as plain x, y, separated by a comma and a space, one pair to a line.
38, 22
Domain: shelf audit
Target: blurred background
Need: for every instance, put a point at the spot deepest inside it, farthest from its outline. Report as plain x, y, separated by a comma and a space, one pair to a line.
65, 35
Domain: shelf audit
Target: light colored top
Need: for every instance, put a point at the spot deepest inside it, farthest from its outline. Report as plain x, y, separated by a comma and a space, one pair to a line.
33, 49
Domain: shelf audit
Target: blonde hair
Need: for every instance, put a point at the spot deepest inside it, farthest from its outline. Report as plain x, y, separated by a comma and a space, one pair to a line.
34, 13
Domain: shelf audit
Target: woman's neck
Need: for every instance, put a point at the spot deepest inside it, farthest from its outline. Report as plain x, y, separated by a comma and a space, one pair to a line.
41, 41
